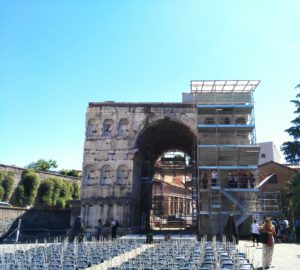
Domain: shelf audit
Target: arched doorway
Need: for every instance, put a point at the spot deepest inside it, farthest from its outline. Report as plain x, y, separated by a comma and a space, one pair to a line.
154, 143
172, 191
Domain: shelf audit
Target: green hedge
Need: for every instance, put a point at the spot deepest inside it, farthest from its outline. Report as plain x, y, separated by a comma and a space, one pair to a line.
55, 192
26, 191
6, 185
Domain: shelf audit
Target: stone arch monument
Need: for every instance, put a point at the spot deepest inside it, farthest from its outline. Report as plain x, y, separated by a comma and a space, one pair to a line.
122, 142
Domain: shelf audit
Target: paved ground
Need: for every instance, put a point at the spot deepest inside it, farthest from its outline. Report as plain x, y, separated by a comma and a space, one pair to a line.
285, 256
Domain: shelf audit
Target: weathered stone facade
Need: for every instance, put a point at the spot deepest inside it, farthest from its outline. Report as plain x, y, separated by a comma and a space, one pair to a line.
123, 140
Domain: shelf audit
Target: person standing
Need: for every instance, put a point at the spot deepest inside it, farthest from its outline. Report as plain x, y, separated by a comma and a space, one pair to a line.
251, 180
255, 232
214, 178
77, 231
114, 225
230, 230
99, 229
268, 248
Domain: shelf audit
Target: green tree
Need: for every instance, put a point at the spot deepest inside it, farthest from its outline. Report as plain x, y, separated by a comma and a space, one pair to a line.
7, 183
293, 197
30, 181
1, 193
74, 173
75, 191
291, 149
43, 165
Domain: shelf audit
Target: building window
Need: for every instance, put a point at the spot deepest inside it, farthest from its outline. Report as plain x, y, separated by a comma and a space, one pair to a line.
240, 121
225, 120
263, 155
273, 180
209, 121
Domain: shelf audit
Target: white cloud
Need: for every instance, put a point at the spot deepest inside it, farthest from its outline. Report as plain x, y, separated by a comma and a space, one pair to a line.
291, 46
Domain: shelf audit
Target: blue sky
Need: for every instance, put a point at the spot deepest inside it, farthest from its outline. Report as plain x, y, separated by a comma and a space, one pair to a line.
56, 56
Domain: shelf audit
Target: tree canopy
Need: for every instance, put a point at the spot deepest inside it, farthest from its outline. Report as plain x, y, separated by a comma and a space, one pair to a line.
291, 149
43, 165
74, 173
293, 195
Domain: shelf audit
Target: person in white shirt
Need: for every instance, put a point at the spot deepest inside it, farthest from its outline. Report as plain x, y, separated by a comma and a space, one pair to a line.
214, 178
255, 232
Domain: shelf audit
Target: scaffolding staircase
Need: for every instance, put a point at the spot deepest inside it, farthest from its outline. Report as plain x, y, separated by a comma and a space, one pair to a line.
235, 201
215, 198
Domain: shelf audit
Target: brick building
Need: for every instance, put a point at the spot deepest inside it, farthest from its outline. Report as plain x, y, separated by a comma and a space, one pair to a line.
273, 176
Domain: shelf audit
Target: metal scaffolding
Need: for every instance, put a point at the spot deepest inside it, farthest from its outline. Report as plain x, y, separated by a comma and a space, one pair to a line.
227, 154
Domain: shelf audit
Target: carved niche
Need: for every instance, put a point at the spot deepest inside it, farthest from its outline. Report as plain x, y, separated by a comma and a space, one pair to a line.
123, 127
92, 128
122, 175
90, 175
107, 127
106, 176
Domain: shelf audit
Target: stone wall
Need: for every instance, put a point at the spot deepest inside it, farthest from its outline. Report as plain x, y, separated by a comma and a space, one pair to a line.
8, 216
49, 219
54, 221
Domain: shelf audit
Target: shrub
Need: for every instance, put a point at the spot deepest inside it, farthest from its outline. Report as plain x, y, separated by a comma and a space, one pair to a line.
65, 193
57, 186
30, 181
45, 193
7, 183
19, 195
1, 193
60, 203
55, 192
73, 173
76, 191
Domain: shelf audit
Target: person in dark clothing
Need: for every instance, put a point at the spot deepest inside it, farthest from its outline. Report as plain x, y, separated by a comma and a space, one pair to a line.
251, 180
114, 225
77, 230
230, 230
99, 229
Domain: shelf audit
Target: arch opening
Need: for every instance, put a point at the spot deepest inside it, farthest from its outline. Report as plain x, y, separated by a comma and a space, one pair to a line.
162, 175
